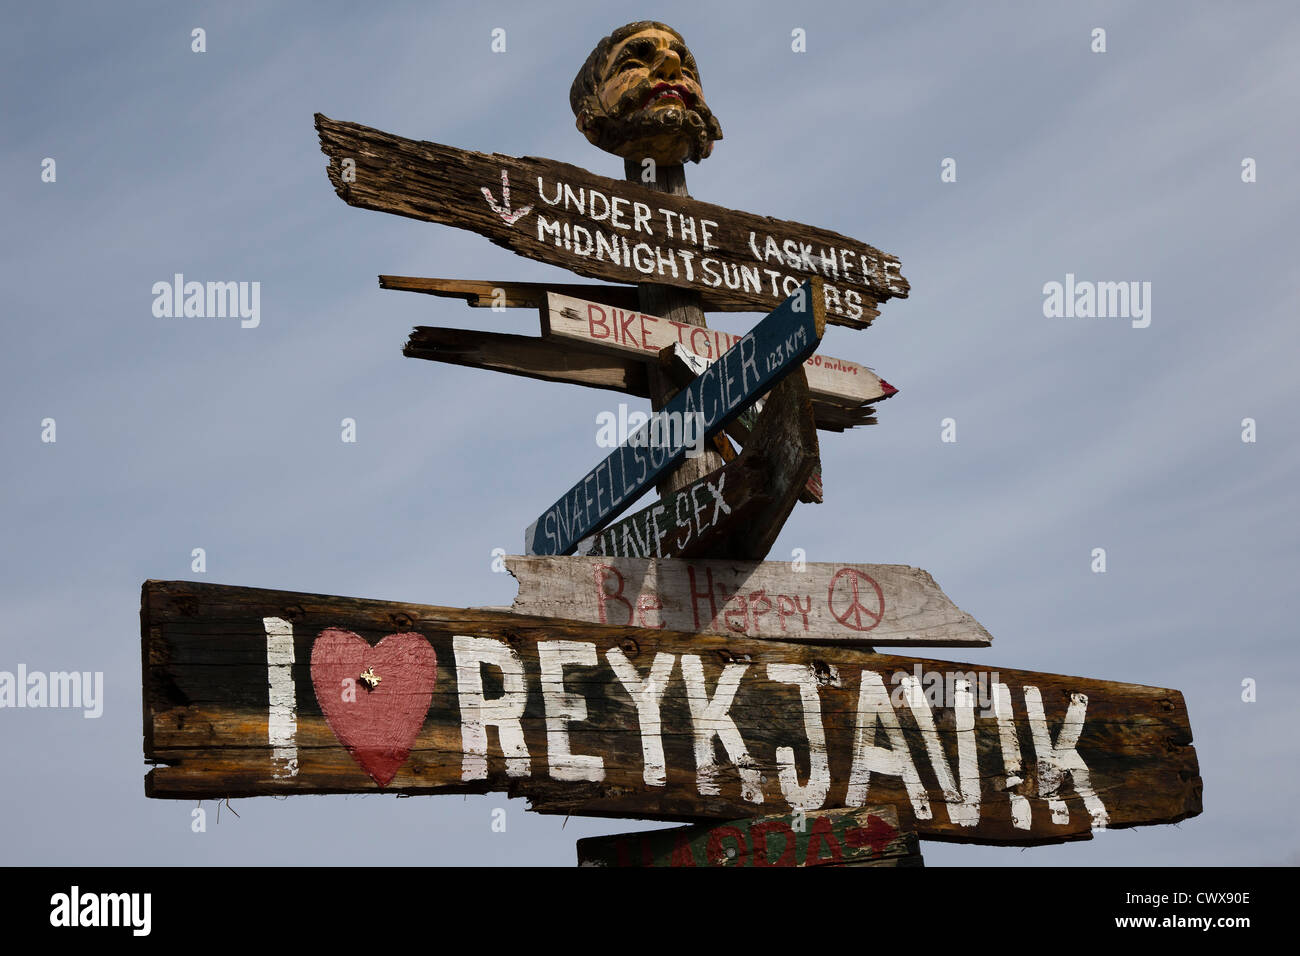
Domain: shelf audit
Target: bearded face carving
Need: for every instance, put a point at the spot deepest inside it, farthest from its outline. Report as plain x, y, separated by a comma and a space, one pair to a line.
638, 96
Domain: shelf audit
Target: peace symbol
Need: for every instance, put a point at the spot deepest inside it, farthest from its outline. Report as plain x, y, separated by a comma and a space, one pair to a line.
852, 617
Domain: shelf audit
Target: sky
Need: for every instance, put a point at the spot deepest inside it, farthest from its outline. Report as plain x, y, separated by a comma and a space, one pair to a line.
1072, 433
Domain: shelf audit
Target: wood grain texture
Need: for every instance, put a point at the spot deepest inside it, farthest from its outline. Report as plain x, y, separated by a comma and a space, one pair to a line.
868, 836
526, 356
205, 657
480, 293
630, 333
738, 511
680, 366
771, 352
881, 605
532, 357
737, 261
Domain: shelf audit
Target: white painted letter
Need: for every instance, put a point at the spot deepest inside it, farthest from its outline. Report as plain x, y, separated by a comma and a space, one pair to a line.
1057, 759
812, 796
895, 760
282, 714
1011, 761
646, 695
562, 707
964, 803
710, 719
502, 712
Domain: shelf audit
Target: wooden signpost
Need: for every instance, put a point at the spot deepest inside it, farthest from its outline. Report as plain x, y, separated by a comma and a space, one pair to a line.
737, 511
865, 837
501, 294
680, 366
869, 604
607, 228
527, 356
536, 358
605, 328
665, 672
760, 359
251, 692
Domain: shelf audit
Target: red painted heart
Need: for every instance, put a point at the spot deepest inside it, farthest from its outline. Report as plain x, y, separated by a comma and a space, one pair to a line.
379, 724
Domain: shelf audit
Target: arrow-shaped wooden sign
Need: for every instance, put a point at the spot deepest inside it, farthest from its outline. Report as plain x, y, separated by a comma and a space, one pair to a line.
869, 836
605, 328
501, 294
881, 605
253, 692
737, 511
608, 228
680, 367
536, 358
771, 350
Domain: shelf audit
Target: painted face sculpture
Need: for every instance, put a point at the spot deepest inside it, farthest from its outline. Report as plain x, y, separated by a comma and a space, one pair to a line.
638, 96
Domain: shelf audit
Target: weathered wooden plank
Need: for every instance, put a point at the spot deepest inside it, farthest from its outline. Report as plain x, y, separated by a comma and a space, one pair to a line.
764, 356
606, 228
536, 358
738, 511
833, 418
681, 366
629, 333
868, 836
526, 356
881, 605
638, 722
695, 519
485, 294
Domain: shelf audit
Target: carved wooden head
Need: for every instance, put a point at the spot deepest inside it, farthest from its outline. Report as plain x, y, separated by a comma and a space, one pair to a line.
638, 95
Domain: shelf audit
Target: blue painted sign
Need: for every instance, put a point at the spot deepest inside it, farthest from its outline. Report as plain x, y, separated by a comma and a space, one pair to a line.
749, 369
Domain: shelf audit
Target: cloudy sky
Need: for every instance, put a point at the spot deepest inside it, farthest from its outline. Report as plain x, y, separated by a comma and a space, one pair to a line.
1072, 434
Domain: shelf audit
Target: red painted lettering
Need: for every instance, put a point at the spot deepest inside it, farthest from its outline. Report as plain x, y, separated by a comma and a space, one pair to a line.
759, 832
645, 333
603, 573
822, 836
695, 593
717, 853
682, 851
732, 614
592, 324
626, 324
785, 605
649, 602
803, 609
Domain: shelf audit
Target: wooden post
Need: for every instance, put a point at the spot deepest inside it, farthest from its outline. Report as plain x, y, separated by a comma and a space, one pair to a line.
767, 359
736, 512
676, 305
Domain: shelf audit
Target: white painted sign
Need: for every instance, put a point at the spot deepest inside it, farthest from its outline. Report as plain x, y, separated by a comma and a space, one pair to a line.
872, 604
1056, 756
607, 328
